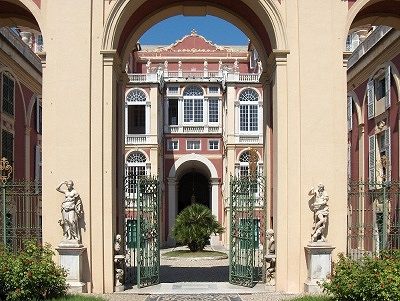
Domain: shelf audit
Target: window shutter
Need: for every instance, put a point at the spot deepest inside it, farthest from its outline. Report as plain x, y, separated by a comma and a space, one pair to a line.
371, 99
349, 113
387, 88
388, 154
371, 159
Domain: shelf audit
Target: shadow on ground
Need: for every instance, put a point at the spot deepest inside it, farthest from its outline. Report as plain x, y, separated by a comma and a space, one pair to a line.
171, 274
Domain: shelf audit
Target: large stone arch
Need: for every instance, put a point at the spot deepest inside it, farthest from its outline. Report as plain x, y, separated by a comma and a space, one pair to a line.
376, 12
193, 157
260, 20
21, 12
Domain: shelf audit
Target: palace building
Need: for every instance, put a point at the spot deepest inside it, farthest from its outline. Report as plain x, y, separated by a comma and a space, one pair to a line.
194, 116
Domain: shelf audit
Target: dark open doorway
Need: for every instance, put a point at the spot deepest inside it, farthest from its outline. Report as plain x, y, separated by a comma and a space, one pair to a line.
193, 187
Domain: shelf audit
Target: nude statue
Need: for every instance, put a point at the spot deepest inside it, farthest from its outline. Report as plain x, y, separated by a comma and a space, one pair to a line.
71, 211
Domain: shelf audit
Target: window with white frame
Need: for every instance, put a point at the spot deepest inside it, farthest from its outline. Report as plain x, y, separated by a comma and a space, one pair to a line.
193, 144
213, 110
379, 156
213, 90
173, 145
135, 168
8, 88
193, 105
136, 112
213, 144
173, 90
248, 110
378, 93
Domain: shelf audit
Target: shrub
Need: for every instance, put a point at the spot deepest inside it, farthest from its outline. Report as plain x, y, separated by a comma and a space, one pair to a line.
31, 274
194, 226
371, 278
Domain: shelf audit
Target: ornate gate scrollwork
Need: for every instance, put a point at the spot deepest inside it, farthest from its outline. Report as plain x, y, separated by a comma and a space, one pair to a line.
148, 232
246, 264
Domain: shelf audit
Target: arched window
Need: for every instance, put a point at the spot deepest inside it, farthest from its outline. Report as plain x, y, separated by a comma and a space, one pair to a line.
136, 112
193, 104
245, 159
248, 112
135, 167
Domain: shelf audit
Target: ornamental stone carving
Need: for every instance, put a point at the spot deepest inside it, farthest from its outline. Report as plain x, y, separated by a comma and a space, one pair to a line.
71, 213
319, 205
270, 257
119, 266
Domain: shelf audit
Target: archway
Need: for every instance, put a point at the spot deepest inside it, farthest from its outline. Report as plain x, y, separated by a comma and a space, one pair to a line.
261, 20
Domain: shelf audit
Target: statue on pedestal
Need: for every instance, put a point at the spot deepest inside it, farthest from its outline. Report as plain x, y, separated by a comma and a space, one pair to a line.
321, 211
71, 212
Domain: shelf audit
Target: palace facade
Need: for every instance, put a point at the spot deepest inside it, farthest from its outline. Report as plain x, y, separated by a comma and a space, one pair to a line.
194, 117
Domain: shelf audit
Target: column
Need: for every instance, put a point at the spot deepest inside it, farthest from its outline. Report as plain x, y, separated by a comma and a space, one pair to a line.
278, 60
171, 209
215, 207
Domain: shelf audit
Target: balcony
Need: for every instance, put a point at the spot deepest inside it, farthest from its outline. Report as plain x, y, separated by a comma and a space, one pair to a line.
193, 129
143, 78
185, 76
131, 139
367, 44
15, 40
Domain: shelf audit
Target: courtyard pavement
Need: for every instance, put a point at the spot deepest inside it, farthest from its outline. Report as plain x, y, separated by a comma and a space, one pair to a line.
197, 280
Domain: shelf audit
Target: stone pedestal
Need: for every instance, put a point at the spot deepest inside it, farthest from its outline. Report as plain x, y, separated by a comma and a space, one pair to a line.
71, 261
319, 265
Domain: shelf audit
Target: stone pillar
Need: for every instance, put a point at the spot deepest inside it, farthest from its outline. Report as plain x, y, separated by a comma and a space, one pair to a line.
215, 207
171, 209
278, 61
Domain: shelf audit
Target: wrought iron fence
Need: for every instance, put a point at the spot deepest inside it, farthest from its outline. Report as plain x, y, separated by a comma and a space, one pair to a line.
373, 219
20, 209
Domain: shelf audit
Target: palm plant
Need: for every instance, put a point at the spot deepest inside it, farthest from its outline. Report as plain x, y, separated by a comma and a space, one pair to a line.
194, 226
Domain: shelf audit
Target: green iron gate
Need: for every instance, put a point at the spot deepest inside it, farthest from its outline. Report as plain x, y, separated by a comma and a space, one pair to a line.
20, 210
148, 232
373, 217
142, 230
246, 264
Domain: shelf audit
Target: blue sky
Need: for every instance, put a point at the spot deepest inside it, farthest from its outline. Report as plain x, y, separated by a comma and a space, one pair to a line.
212, 28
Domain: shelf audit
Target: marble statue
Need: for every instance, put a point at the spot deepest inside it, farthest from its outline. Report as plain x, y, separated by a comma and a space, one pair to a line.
205, 65
166, 65
148, 66
219, 65
270, 257
236, 66
179, 65
321, 211
71, 212
118, 263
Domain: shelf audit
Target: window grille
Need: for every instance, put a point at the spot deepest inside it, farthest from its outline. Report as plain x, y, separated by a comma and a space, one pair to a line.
7, 145
193, 91
136, 95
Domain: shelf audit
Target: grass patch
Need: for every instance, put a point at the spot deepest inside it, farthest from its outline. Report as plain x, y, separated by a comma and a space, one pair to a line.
78, 298
190, 254
312, 298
